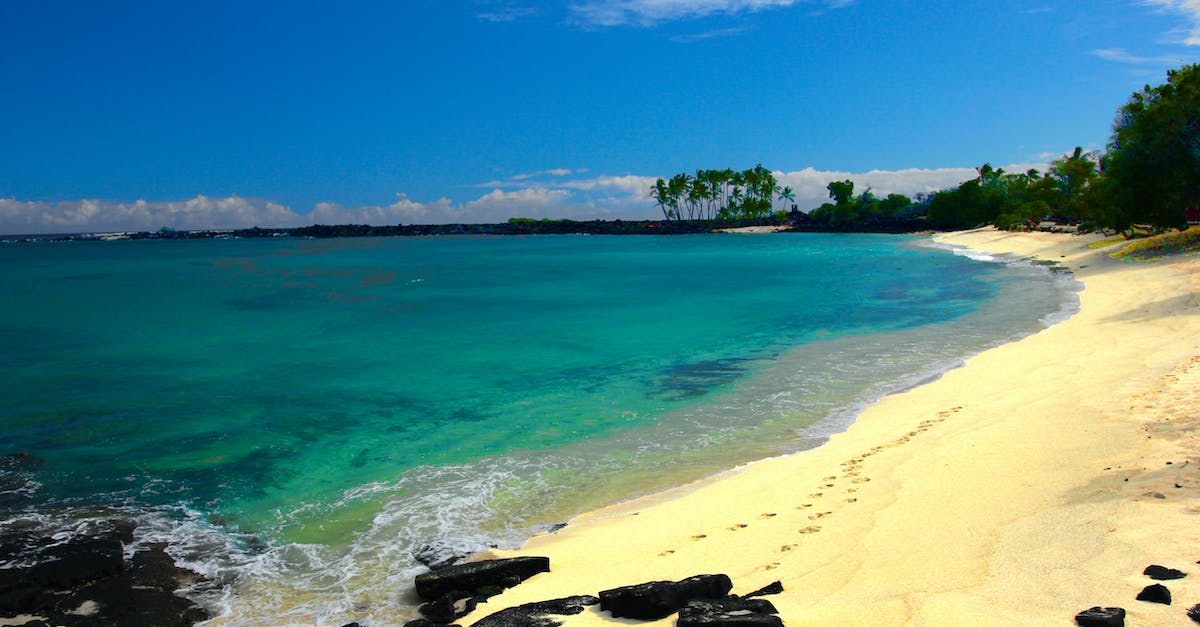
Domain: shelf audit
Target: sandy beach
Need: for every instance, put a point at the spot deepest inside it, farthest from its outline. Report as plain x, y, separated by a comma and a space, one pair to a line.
1035, 482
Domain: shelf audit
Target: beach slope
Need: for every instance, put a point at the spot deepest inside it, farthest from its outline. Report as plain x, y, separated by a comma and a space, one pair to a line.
1037, 481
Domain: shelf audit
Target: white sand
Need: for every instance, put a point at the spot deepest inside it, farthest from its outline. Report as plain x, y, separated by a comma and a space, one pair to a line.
1027, 486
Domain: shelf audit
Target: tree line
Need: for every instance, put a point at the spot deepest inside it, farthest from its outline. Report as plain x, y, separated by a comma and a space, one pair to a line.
721, 195
1148, 175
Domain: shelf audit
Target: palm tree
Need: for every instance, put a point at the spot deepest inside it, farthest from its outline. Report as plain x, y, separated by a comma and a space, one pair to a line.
662, 197
788, 197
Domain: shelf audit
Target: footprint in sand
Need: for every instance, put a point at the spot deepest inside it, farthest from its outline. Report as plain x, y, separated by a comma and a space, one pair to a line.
804, 506
830, 478
699, 537
665, 553
766, 516
738, 526
812, 529
787, 547
820, 515
771, 566
851, 490
851, 500
861, 479
816, 495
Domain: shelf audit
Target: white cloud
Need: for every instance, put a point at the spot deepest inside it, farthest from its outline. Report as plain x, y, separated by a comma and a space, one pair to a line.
712, 34
530, 175
649, 12
633, 186
503, 11
605, 197
1190, 10
1120, 55
533, 202
810, 184
90, 215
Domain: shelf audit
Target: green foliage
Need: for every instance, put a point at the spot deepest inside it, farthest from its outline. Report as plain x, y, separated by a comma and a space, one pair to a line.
1019, 201
720, 195
864, 211
1153, 160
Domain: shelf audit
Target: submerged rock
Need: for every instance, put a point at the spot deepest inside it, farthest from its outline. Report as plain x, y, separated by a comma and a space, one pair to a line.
538, 614
1156, 593
658, 599
465, 579
1162, 573
23, 462
1101, 617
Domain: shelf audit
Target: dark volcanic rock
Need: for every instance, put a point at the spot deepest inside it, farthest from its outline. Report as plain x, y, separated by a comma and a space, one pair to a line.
435, 557
538, 614
1162, 573
1101, 617
771, 588
1156, 593
422, 622
647, 601
1194, 612
55, 577
447, 608
705, 587
658, 599
23, 462
469, 577
733, 612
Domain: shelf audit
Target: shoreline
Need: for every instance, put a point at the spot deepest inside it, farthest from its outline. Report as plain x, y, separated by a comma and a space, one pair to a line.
1025, 484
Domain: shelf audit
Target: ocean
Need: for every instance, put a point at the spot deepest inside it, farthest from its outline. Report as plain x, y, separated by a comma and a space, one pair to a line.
298, 417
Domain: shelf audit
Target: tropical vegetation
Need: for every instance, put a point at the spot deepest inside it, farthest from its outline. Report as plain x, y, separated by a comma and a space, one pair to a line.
1148, 177
721, 195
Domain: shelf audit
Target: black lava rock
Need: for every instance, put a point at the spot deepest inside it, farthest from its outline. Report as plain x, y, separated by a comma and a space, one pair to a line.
437, 557
731, 612
1156, 593
420, 622
1101, 617
538, 614
447, 608
53, 578
658, 599
1162, 573
1194, 612
647, 601
474, 575
771, 588
23, 462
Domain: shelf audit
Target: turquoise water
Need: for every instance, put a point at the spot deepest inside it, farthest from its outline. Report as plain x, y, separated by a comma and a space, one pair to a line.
298, 416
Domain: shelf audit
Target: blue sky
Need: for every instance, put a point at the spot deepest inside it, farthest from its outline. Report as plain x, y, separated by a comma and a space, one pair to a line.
226, 114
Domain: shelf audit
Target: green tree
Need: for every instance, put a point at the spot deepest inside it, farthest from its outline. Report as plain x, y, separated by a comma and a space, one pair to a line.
841, 191
1073, 175
788, 197
1153, 159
